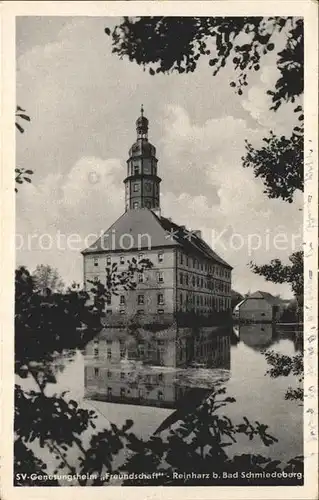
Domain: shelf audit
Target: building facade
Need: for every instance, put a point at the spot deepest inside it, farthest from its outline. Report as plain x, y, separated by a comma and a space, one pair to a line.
186, 274
259, 307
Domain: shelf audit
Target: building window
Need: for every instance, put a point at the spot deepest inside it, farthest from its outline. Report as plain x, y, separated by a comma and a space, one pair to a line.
109, 353
160, 299
96, 372
187, 261
201, 282
122, 300
108, 261
136, 170
181, 299
193, 280
181, 278
122, 392
109, 391
109, 374
159, 395
202, 266
122, 259
135, 205
186, 278
96, 261
140, 278
96, 351
148, 204
140, 300
197, 280
140, 393
122, 375
181, 258
160, 311
195, 263
160, 277
160, 256
135, 187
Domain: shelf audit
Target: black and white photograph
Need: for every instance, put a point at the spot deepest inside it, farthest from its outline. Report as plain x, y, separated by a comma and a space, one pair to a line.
159, 310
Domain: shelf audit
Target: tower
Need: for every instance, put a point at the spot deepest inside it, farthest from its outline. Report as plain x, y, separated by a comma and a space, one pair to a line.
142, 185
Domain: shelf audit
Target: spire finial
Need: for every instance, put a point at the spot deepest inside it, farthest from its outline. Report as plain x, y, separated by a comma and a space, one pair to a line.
142, 110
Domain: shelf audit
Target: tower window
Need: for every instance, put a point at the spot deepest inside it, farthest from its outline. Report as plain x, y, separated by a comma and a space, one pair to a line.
160, 277
160, 299
135, 187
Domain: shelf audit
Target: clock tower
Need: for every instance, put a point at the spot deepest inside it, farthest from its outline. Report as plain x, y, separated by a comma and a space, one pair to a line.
142, 185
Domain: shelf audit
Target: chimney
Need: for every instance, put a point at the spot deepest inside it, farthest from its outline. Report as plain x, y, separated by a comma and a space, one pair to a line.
197, 233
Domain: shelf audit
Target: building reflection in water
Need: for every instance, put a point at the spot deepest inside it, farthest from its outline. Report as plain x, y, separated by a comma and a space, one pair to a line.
167, 367
156, 368
260, 336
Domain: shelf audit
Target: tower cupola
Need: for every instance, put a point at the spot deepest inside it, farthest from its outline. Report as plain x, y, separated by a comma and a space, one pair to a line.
142, 185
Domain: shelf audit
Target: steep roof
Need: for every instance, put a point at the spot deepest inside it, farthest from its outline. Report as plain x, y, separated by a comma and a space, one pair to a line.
145, 229
265, 295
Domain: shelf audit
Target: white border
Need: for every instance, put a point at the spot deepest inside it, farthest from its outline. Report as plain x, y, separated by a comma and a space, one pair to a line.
309, 10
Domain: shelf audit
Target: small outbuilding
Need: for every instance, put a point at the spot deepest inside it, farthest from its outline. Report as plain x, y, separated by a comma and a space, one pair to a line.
259, 307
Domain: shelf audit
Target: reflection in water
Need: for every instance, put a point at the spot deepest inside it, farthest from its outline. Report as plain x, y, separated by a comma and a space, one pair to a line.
258, 336
162, 369
167, 368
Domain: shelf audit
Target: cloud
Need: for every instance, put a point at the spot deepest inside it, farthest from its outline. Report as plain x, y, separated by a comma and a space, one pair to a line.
240, 222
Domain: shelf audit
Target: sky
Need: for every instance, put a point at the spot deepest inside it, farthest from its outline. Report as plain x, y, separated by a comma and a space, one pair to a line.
83, 102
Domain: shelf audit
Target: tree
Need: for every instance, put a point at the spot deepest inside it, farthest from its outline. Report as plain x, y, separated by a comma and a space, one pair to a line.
21, 173
236, 297
175, 44
282, 366
279, 273
47, 278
